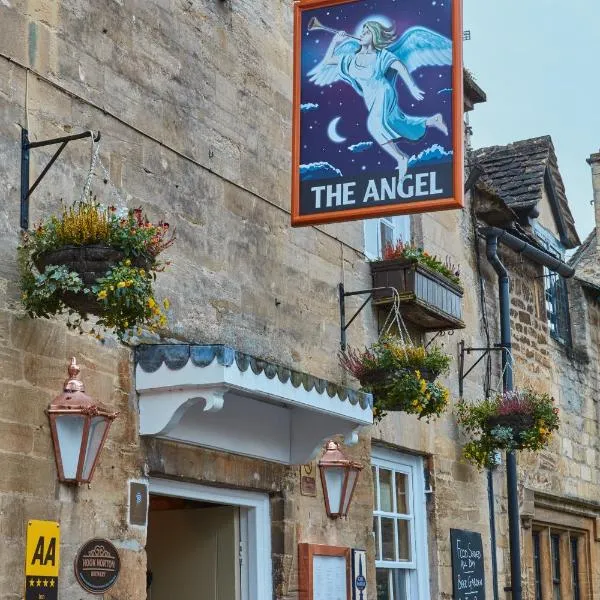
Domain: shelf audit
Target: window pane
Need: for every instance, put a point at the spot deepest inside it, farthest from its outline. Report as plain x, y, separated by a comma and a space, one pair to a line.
403, 540
392, 581
385, 491
402, 493
575, 568
555, 548
386, 233
376, 530
537, 565
387, 539
375, 502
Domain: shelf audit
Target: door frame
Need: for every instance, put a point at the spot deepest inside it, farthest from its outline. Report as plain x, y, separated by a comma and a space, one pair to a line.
257, 517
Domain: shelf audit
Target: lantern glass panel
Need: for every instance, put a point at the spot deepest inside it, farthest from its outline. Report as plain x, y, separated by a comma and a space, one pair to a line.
334, 478
69, 431
98, 427
352, 475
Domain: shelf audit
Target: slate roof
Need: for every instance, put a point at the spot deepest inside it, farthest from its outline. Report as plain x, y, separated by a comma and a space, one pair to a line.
586, 263
517, 174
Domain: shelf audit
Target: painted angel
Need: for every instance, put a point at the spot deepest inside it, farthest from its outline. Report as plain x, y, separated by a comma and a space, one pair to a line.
371, 65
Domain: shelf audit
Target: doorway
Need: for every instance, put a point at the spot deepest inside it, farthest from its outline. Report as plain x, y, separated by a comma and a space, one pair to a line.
207, 543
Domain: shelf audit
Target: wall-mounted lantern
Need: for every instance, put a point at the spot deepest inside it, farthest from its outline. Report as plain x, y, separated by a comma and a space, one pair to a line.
338, 476
79, 426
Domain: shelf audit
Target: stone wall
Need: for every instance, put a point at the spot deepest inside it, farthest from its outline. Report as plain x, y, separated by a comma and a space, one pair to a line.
193, 101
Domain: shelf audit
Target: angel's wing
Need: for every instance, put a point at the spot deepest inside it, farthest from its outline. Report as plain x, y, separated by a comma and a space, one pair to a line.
422, 47
324, 74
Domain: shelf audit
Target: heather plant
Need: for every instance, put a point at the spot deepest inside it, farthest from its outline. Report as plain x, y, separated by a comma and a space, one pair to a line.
400, 376
516, 420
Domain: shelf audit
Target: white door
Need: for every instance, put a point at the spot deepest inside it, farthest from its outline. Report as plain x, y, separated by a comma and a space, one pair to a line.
193, 553
224, 547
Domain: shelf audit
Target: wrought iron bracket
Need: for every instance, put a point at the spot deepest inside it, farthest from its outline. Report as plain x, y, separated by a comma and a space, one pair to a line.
462, 374
343, 295
26, 146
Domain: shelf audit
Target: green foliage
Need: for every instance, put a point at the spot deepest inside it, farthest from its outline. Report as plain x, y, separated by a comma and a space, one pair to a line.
529, 418
413, 252
400, 377
124, 295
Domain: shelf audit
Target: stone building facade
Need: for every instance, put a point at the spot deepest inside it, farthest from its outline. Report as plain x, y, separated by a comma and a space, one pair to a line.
193, 102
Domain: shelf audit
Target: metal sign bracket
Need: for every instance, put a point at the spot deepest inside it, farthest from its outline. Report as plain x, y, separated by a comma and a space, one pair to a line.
343, 295
26, 146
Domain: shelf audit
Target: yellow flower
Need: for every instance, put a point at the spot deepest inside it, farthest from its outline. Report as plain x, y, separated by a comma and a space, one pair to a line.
142, 272
121, 284
422, 385
127, 263
166, 303
102, 294
418, 374
151, 302
112, 288
125, 323
415, 403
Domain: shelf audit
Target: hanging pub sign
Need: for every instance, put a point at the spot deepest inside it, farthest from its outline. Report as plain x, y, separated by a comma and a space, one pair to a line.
378, 108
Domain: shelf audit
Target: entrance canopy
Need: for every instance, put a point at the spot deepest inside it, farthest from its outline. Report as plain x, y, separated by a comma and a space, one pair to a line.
217, 397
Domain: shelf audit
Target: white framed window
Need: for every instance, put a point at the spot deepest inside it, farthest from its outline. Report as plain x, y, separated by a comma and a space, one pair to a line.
400, 526
386, 229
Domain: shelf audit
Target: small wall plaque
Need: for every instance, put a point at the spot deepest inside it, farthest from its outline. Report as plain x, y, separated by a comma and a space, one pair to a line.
359, 575
97, 566
308, 479
138, 503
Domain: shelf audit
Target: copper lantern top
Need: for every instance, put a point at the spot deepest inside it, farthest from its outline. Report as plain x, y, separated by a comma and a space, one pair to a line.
74, 398
333, 457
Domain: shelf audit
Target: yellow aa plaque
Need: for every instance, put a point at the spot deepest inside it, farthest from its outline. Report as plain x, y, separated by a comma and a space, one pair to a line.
42, 560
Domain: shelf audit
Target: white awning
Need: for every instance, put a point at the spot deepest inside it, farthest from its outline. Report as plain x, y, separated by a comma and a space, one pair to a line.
216, 397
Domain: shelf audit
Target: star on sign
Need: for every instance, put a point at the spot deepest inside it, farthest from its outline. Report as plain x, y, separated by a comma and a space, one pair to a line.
39, 582
52, 583
45, 583
32, 583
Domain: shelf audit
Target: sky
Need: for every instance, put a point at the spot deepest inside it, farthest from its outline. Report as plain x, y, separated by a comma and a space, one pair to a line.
539, 63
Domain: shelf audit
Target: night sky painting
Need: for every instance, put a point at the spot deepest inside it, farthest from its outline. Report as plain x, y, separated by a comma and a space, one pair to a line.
360, 121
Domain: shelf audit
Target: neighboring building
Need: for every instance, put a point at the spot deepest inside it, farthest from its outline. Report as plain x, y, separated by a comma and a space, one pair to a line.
193, 101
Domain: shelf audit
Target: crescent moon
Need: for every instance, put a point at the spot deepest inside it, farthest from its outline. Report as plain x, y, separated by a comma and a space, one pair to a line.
334, 136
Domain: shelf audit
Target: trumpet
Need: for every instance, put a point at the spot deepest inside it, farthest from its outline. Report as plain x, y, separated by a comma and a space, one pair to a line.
315, 24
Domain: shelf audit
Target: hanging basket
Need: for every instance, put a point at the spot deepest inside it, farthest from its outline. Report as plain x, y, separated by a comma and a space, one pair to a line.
91, 263
517, 423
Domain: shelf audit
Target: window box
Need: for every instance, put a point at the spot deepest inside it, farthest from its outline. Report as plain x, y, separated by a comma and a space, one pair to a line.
427, 299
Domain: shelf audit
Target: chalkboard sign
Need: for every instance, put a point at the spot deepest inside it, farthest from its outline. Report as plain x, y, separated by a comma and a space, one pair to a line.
467, 565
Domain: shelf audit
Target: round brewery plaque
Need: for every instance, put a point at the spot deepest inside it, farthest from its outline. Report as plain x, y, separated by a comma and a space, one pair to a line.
97, 566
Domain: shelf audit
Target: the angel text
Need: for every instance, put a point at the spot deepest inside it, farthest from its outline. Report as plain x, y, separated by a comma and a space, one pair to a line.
385, 189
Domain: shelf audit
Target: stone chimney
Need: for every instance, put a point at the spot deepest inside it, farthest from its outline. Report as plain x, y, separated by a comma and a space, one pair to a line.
594, 162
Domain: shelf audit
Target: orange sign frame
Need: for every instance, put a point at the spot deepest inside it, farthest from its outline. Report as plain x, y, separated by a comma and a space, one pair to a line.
452, 202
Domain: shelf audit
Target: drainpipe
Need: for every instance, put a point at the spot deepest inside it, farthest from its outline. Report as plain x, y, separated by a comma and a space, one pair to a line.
507, 385
494, 236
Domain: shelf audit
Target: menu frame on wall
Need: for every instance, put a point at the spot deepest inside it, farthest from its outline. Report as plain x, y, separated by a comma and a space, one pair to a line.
314, 563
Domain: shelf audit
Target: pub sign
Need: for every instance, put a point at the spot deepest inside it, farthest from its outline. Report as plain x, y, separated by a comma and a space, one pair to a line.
377, 114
